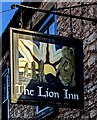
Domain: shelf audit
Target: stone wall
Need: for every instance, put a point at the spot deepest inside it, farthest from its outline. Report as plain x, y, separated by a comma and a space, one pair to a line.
21, 111
87, 31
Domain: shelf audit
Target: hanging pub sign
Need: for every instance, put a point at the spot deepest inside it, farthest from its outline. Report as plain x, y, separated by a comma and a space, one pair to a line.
46, 69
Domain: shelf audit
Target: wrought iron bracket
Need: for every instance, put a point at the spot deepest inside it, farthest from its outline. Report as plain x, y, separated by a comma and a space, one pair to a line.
53, 12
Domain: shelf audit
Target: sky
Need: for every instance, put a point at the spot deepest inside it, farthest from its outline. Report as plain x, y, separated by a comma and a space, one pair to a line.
5, 17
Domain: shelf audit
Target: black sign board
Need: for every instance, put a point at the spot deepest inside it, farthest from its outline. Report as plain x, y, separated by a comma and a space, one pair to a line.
46, 69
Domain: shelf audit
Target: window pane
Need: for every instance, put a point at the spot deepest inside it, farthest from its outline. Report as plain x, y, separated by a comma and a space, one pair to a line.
52, 29
45, 32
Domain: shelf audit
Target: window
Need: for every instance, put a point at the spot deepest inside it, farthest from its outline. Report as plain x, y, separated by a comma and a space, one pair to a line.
5, 94
49, 25
5, 80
